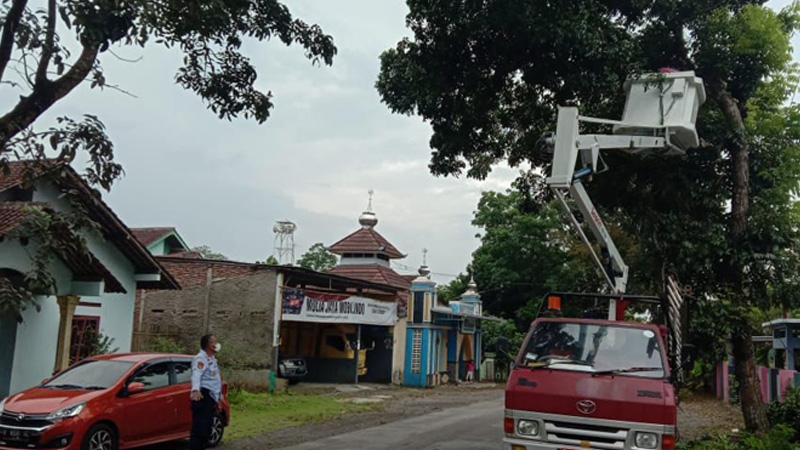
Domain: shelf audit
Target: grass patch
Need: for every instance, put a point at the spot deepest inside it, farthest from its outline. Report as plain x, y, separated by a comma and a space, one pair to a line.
254, 414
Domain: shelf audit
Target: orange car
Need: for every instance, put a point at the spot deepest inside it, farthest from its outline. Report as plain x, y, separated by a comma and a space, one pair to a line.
107, 402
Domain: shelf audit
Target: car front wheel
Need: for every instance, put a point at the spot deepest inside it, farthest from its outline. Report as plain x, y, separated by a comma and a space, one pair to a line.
217, 430
100, 437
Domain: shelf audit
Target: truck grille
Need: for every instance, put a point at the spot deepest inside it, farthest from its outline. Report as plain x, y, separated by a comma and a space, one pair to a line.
576, 435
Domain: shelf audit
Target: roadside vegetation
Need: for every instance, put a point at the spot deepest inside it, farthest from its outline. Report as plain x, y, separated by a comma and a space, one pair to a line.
257, 413
785, 433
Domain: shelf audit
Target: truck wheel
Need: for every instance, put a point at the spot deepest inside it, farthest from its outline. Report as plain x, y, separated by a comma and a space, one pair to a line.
217, 430
100, 437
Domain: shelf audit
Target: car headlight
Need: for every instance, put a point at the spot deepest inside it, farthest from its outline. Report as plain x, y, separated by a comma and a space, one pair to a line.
646, 440
65, 413
528, 428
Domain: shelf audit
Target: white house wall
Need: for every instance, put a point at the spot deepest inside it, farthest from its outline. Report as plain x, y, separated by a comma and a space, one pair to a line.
37, 336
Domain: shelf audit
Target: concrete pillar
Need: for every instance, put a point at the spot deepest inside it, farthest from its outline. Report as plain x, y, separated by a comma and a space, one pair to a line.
66, 306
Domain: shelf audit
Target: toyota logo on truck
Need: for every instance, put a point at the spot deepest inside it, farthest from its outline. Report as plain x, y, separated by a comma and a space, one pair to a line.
586, 406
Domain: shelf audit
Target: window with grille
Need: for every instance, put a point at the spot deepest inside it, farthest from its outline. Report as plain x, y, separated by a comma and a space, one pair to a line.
416, 352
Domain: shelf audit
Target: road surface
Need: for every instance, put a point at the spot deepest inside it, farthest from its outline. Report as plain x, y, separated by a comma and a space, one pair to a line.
472, 427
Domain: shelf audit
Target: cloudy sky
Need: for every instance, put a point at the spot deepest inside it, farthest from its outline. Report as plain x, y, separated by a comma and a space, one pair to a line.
328, 142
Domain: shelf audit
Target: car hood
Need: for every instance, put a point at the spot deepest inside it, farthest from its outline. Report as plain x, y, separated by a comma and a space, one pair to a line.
45, 401
623, 398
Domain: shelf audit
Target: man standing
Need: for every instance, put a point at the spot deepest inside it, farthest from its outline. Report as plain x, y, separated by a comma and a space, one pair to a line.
206, 392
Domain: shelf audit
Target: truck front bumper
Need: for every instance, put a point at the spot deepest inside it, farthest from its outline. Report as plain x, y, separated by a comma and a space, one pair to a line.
522, 444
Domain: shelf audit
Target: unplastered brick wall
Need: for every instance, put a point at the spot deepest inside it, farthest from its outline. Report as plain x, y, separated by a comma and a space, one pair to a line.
191, 273
238, 310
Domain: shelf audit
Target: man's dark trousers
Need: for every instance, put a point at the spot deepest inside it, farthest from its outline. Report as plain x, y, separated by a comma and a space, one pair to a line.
203, 412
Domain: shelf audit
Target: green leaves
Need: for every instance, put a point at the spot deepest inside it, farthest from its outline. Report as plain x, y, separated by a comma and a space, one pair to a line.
317, 258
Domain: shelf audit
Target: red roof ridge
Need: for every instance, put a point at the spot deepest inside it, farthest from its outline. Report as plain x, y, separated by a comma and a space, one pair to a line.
366, 240
148, 235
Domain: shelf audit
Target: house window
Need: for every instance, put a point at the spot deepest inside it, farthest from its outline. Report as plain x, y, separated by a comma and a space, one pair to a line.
780, 358
428, 304
416, 352
419, 307
84, 335
779, 333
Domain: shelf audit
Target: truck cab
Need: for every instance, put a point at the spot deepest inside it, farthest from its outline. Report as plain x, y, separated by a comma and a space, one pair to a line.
590, 384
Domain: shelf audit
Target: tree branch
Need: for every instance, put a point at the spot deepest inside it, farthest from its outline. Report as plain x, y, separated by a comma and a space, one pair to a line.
49, 43
9, 27
45, 95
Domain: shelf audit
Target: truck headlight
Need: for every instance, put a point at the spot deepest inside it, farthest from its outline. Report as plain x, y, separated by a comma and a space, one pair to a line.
65, 413
3, 405
528, 428
646, 440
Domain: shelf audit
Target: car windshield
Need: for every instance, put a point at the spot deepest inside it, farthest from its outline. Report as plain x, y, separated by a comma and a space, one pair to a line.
90, 375
598, 349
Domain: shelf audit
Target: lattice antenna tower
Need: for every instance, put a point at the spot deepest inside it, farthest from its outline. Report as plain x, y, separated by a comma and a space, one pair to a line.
284, 241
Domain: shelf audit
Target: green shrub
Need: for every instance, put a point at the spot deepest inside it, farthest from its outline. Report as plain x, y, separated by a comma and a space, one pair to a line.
100, 344
780, 438
787, 413
163, 344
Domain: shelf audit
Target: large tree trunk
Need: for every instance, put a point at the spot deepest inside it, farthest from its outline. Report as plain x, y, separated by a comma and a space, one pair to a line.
755, 414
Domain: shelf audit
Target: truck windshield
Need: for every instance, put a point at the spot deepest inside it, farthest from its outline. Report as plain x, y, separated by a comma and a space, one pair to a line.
600, 349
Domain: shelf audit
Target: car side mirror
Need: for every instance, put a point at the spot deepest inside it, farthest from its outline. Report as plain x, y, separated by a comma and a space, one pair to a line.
135, 388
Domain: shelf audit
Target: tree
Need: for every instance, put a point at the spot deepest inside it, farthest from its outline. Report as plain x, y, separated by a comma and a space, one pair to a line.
488, 76
317, 258
45, 66
271, 260
207, 253
452, 290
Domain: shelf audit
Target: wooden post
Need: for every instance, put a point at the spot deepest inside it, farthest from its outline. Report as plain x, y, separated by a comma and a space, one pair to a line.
66, 306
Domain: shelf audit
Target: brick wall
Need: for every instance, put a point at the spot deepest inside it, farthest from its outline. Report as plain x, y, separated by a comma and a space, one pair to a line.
238, 310
192, 273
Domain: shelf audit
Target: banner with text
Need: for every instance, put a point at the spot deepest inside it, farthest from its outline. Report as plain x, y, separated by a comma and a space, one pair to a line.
307, 306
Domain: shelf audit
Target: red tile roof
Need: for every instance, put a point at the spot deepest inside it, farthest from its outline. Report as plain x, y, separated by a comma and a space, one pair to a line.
82, 266
149, 235
373, 273
366, 240
114, 229
12, 214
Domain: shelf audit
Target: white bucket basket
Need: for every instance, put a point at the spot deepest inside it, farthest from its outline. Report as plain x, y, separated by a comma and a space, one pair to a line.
668, 101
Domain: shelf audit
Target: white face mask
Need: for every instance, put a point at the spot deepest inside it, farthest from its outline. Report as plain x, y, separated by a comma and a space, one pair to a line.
217, 347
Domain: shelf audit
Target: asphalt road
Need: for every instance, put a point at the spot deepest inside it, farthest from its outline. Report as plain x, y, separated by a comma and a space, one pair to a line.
472, 427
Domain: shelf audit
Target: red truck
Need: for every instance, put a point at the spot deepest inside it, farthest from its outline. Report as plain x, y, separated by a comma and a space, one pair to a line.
606, 384
591, 384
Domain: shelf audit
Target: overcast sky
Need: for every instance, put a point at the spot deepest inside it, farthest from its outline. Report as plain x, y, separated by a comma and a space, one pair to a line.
329, 140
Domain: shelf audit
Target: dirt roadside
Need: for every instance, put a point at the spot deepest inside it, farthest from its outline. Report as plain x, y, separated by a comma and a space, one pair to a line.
392, 404
700, 415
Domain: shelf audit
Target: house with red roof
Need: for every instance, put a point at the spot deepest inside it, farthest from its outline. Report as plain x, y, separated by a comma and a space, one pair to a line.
163, 241
94, 292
